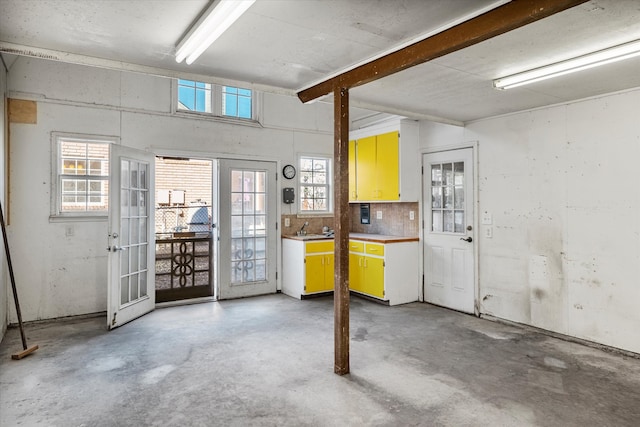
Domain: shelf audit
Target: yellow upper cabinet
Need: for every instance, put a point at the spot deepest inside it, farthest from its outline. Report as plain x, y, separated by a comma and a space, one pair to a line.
376, 165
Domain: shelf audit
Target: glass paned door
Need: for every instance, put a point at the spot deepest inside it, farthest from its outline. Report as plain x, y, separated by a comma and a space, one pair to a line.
131, 238
449, 239
248, 226
247, 230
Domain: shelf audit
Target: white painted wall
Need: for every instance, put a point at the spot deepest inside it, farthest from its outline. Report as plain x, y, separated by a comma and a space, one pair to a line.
561, 184
5, 289
66, 276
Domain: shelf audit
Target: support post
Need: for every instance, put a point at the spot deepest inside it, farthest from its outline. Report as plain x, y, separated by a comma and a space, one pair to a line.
341, 209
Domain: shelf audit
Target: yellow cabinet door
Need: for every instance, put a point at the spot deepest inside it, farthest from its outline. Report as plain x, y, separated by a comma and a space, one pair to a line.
366, 168
329, 278
373, 277
352, 172
387, 167
319, 273
355, 272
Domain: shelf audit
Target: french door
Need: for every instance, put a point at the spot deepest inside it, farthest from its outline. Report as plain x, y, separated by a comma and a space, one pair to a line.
449, 265
131, 288
247, 229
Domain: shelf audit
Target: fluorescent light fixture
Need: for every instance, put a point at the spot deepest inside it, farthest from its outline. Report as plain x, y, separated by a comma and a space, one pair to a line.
216, 20
595, 59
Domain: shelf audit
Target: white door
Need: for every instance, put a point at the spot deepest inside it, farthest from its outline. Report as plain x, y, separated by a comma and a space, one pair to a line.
448, 229
247, 228
131, 239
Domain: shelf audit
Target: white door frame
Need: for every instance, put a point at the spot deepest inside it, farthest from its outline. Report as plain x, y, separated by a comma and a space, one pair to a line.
476, 270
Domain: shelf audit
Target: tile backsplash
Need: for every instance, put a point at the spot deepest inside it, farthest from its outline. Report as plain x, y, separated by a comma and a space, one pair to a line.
395, 220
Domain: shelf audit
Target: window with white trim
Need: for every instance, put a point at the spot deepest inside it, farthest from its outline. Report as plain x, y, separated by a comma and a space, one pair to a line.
315, 194
217, 100
81, 185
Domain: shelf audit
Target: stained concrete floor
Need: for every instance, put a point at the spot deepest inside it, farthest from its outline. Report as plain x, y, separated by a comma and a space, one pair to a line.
268, 361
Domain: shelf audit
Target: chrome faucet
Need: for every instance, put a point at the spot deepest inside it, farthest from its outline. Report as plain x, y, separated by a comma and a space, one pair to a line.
302, 231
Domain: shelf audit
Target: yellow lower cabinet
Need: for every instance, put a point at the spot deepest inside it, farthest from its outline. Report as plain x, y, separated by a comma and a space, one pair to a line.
319, 267
373, 277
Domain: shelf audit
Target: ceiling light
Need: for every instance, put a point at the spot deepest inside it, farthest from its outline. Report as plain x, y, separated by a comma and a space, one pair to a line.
602, 57
215, 21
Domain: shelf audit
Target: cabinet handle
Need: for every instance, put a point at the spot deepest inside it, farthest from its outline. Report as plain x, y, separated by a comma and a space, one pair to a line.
322, 260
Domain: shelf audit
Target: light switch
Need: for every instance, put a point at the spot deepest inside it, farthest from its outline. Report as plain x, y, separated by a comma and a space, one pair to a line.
287, 222
378, 214
412, 215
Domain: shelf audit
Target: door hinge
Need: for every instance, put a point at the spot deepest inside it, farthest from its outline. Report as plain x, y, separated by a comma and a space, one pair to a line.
276, 275
422, 170
384, 293
276, 225
113, 322
384, 263
423, 280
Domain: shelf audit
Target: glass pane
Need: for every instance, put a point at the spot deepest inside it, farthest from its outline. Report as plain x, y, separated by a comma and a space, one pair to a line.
448, 197
459, 221
134, 286
134, 202
320, 192
261, 270
135, 230
81, 167
448, 222
236, 226
236, 204
143, 284
436, 220
236, 249
459, 197
248, 181
320, 204
447, 173
143, 257
458, 173
306, 164
124, 263
143, 203
320, 178
143, 175
244, 108
436, 175
124, 290
261, 205
135, 253
306, 177
134, 175
248, 251
81, 186
260, 251
124, 173
236, 272
436, 197
260, 224
261, 182
248, 204
249, 226
142, 235
124, 203
236, 181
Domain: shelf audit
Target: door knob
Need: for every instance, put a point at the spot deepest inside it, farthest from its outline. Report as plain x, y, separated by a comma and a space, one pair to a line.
468, 239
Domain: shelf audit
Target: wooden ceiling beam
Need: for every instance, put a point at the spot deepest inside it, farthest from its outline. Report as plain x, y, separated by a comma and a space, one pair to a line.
500, 20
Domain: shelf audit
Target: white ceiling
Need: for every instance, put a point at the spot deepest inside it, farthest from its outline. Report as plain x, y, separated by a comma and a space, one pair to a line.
286, 45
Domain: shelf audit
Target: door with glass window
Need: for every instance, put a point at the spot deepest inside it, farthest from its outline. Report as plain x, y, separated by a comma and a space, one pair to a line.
449, 264
130, 240
247, 229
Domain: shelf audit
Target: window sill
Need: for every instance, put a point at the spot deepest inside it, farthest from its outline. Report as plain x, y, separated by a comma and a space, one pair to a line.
314, 215
212, 117
78, 218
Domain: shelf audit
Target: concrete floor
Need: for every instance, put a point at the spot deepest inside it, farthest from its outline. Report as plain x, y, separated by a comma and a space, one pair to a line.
269, 361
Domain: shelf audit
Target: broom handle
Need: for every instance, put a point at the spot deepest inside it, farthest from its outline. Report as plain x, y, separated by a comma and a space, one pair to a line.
13, 280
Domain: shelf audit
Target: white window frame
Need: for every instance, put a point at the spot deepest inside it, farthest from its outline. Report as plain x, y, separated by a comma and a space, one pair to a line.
57, 176
328, 185
216, 105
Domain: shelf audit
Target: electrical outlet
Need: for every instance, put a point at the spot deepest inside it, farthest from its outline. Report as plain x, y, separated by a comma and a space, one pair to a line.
287, 222
487, 218
378, 214
69, 231
412, 215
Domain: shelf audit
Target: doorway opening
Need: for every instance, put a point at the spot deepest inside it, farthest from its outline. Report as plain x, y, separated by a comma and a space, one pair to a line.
184, 218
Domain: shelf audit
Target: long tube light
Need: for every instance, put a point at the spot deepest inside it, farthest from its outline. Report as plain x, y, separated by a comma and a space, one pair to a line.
215, 21
590, 60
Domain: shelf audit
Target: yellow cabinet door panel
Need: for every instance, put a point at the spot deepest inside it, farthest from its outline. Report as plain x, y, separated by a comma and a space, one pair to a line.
314, 280
373, 277
352, 171
387, 167
366, 168
329, 278
355, 272
317, 247
375, 249
356, 246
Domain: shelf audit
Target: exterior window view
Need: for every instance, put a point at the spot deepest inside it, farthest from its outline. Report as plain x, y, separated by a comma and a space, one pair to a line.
84, 176
314, 184
225, 101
